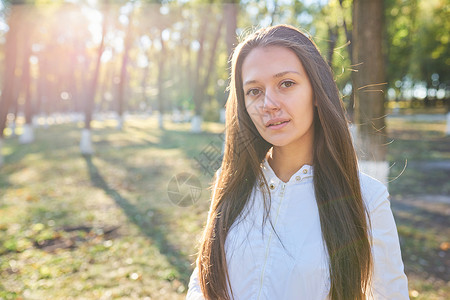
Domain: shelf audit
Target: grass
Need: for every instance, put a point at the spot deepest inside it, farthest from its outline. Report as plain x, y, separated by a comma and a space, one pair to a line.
103, 226
416, 144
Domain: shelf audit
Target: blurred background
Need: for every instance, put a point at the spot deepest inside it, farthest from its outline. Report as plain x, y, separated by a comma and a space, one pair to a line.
111, 128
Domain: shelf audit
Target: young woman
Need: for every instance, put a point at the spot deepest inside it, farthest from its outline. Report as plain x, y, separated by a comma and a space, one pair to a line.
291, 217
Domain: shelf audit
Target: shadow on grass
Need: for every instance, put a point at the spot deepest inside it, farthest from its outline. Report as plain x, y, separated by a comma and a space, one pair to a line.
419, 179
20, 151
4, 182
151, 227
420, 250
191, 144
421, 217
47, 143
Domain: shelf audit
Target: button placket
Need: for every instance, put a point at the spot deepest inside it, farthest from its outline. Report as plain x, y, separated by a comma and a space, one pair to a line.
273, 184
280, 198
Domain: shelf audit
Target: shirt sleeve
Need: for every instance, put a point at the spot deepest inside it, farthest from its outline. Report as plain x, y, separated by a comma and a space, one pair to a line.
389, 280
194, 291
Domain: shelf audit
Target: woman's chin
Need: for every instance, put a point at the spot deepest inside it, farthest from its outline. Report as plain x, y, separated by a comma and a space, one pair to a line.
277, 142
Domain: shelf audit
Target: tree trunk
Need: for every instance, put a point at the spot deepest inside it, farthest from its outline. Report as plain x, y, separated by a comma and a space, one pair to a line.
369, 86
231, 11
15, 112
187, 35
198, 96
123, 73
212, 59
161, 65
144, 80
27, 136
348, 34
86, 141
274, 12
48, 97
332, 38
15, 106
72, 84
447, 129
9, 79
7, 97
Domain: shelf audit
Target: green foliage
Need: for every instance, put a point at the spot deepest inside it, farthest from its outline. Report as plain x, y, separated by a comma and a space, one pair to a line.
417, 46
417, 40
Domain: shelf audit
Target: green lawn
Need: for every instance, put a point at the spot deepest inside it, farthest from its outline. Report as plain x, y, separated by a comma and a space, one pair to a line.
103, 227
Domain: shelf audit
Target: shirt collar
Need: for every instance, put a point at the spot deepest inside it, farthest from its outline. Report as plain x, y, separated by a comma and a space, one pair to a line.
305, 173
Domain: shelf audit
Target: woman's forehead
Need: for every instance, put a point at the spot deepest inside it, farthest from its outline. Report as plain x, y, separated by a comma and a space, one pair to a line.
270, 61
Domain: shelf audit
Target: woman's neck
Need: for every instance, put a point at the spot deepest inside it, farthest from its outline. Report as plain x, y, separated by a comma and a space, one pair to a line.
287, 160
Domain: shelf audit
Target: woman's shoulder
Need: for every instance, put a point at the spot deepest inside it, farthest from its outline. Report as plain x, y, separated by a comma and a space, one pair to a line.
372, 190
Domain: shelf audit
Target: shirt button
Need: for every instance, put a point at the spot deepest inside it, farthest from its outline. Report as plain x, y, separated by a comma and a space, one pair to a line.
305, 171
272, 186
298, 178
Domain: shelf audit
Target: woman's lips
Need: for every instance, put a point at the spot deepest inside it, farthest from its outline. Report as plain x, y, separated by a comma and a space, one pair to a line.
278, 125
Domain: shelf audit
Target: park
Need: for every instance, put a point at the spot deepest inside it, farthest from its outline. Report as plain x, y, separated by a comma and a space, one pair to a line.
102, 118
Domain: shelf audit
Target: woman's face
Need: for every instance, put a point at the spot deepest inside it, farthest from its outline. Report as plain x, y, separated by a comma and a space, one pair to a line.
279, 96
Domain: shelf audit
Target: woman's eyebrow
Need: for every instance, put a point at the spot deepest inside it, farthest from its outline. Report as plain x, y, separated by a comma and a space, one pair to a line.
250, 82
281, 74
278, 75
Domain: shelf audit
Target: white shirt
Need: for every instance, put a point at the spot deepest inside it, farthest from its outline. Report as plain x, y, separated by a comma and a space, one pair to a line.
261, 267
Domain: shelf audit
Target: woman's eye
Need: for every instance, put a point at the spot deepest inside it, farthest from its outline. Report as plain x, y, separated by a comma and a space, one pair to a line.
287, 84
253, 92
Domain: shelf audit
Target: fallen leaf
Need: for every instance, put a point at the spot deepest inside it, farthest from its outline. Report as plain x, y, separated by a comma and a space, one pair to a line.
445, 246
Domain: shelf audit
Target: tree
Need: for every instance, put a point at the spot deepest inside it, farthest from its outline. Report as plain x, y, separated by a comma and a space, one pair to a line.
401, 39
417, 38
198, 93
28, 134
231, 12
161, 71
212, 57
9, 79
123, 70
86, 140
369, 85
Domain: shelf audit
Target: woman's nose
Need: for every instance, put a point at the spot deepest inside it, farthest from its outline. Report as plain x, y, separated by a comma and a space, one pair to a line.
270, 102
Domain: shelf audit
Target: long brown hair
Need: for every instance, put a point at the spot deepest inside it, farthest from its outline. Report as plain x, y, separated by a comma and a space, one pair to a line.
336, 183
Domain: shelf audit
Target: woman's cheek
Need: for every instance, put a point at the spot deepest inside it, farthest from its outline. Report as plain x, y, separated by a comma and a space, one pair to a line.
256, 117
